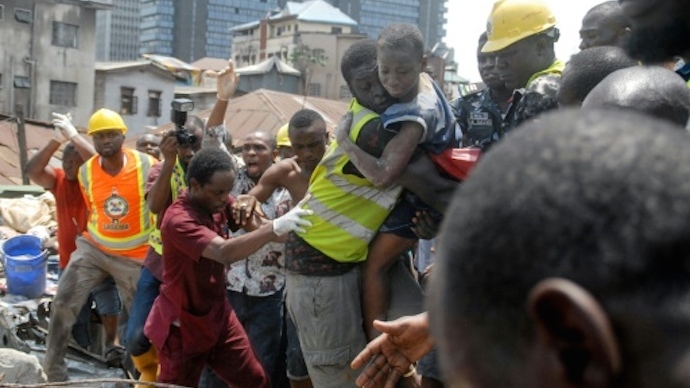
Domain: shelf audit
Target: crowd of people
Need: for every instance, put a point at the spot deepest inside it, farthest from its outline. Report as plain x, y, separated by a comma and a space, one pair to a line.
559, 257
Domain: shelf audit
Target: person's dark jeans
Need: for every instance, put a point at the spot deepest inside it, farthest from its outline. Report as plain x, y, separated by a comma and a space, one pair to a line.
148, 289
262, 319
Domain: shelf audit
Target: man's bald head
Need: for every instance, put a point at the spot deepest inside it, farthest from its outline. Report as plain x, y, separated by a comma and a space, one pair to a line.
653, 90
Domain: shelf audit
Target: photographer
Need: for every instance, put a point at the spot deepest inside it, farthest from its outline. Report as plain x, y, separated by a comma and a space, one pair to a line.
165, 183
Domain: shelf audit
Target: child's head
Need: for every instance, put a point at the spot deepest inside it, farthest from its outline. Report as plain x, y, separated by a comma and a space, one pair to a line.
400, 57
586, 69
359, 71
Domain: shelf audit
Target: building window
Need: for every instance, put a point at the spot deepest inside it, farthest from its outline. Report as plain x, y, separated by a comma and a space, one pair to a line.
336, 30
345, 93
22, 15
2, 12
22, 82
315, 89
154, 104
65, 35
128, 101
63, 93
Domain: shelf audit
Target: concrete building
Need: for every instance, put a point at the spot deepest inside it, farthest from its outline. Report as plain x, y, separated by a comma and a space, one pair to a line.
310, 36
47, 57
118, 30
271, 74
139, 91
205, 26
373, 15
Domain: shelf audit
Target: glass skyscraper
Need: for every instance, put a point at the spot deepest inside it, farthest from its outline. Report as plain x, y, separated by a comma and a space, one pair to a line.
193, 29
374, 15
202, 25
117, 31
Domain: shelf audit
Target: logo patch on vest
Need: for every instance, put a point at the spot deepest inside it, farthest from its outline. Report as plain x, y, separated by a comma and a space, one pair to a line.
116, 208
480, 118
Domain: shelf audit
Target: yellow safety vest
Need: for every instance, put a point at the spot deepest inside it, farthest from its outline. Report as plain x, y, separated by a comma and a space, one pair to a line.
177, 187
119, 220
556, 67
348, 209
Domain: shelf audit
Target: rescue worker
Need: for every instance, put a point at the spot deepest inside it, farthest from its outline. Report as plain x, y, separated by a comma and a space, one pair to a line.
522, 34
115, 242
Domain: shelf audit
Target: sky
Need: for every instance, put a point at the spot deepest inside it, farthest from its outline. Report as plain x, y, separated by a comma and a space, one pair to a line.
467, 19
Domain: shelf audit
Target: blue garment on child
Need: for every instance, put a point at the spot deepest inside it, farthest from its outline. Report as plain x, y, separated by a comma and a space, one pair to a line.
432, 111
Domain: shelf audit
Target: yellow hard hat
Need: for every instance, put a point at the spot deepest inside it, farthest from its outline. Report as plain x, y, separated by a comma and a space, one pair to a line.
282, 138
105, 119
511, 21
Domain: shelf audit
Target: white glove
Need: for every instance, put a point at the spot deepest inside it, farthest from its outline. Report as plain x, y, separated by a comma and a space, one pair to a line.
58, 136
63, 124
292, 221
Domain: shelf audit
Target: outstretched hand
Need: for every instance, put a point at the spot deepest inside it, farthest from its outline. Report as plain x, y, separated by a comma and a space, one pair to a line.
389, 356
292, 221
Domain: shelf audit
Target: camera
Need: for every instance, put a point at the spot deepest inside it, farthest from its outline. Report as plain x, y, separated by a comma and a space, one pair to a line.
178, 115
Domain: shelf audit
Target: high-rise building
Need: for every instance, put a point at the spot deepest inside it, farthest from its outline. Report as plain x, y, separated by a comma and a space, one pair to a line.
373, 15
190, 30
118, 30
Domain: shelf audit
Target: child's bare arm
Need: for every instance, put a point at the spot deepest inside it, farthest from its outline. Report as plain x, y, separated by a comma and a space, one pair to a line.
385, 170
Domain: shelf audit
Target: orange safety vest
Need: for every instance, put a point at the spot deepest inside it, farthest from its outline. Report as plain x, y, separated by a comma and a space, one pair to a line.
119, 219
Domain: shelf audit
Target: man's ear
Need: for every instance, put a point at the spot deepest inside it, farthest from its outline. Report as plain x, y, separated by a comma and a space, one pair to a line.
573, 327
275, 154
193, 183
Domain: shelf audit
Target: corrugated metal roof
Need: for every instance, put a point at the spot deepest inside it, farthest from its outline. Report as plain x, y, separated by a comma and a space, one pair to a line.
319, 11
267, 110
266, 66
315, 11
209, 63
107, 66
38, 134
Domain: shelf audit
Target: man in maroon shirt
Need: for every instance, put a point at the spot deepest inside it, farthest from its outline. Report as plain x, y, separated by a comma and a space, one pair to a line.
191, 323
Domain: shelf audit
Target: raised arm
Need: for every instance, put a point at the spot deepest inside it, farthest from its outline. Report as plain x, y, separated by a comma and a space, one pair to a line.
159, 191
227, 81
385, 170
38, 168
81, 144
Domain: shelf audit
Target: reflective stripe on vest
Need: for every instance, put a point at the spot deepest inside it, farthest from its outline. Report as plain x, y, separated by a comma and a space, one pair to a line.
177, 187
119, 219
348, 209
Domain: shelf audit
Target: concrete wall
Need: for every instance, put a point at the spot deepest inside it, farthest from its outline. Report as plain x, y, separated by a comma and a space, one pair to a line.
52, 63
142, 80
271, 81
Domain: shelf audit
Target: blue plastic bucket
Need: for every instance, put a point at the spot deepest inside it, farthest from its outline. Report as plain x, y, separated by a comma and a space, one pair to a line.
25, 266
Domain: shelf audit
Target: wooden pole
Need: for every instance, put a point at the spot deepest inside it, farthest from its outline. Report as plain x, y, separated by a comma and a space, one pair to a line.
21, 137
